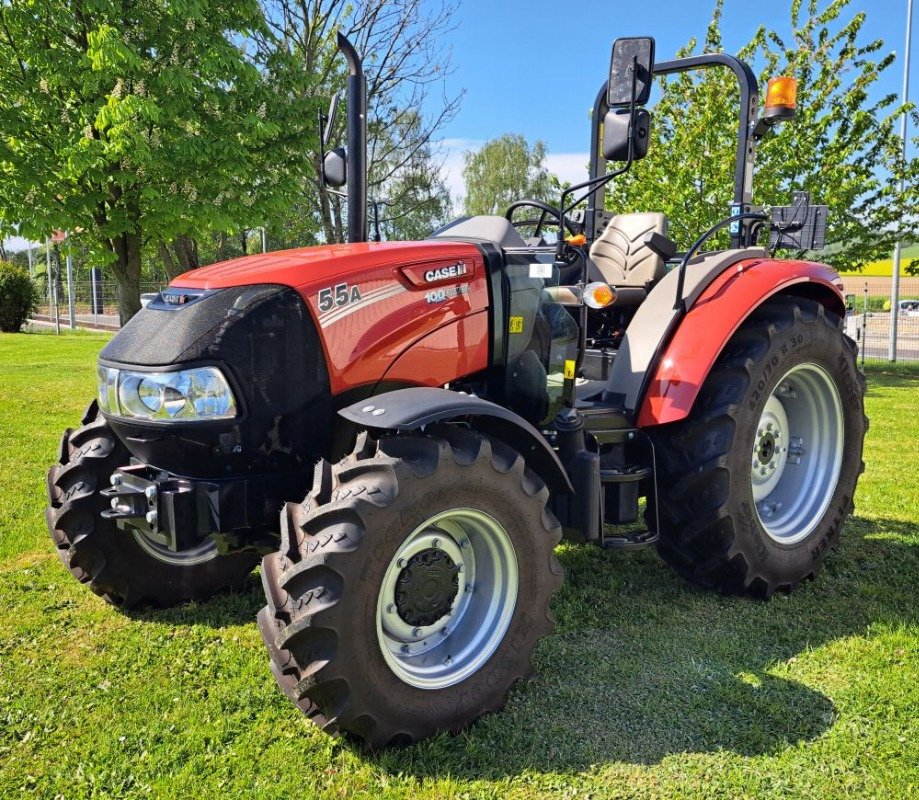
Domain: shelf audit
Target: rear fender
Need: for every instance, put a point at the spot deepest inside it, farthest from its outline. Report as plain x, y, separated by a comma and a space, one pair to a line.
686, 359
412, 409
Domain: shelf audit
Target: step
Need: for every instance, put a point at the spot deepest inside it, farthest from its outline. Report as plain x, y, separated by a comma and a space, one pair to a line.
625, 474
633, 541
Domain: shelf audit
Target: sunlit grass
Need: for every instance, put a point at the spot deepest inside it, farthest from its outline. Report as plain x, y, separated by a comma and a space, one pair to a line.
649, 688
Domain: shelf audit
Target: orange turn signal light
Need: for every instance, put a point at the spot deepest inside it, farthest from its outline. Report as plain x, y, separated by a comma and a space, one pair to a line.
599, 295
577, 240
781, 97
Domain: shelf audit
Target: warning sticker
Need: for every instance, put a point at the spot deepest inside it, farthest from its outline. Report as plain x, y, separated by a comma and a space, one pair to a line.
569, 369
516, 325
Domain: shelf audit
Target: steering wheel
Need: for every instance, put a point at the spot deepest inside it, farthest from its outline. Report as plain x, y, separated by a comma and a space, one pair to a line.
545, 210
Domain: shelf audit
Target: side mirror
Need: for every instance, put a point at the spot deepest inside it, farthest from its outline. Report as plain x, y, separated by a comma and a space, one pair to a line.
616, 134
335, 168
625, 54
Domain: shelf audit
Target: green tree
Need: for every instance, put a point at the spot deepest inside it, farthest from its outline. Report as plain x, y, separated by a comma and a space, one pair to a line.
506, 169
401, 42
842, 147
130, 123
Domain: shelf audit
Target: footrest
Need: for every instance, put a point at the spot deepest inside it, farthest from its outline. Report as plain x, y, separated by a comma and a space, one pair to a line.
632, 541
626, 474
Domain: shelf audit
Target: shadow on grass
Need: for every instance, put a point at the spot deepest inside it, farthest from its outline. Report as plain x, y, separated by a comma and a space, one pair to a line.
643, 665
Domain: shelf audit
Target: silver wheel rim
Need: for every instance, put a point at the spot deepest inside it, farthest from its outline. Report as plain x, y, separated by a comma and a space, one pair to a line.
797, 453
460, 642
183, 558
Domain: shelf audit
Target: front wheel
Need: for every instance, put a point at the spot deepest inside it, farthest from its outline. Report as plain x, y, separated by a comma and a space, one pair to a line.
756, 484
411, 586
126, 568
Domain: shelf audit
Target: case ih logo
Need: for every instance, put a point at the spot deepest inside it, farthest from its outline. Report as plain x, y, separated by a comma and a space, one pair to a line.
456, 270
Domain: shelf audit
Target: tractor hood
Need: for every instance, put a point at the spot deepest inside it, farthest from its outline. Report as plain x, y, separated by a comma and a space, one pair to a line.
311, 265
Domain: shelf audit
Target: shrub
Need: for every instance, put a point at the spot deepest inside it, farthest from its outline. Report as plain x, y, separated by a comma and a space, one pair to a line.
17, 297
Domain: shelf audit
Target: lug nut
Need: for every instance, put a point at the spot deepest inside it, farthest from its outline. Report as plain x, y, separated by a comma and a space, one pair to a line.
405, 648
150, 492
416, 633
400, 562
464, 544
151, 517
390, 608
435, 543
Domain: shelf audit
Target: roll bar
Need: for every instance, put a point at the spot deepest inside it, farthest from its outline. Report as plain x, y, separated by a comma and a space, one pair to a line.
747, 118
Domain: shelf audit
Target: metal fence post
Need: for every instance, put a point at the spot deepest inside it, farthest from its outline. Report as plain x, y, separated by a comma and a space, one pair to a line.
895, 282
71, 300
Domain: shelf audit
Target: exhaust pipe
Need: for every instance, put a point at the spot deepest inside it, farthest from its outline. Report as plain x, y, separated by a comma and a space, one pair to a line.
357, 142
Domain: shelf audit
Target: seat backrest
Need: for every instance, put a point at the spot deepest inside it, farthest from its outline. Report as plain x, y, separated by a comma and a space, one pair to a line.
620, 253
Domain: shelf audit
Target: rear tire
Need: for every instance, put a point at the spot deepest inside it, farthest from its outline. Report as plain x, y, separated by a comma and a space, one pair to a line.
349, 642
786, 397
124, 569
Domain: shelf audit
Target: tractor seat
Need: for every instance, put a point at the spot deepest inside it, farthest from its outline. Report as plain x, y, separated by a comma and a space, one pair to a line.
620, 254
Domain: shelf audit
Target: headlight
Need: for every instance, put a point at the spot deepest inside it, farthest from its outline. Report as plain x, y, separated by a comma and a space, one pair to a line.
190, 394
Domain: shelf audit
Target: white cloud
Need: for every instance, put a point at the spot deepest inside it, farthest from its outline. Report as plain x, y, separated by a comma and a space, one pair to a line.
568, 166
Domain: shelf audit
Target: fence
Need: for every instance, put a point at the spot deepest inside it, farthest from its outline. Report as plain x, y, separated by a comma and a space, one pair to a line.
94, 305
869, 318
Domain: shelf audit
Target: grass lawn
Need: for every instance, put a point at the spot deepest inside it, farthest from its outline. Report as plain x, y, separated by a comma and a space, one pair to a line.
649, 688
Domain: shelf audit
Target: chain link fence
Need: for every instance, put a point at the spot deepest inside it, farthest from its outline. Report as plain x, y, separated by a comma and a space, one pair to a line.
868, 320
870, 310
95, 304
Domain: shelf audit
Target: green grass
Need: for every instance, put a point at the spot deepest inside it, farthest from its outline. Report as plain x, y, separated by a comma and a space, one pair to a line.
649, 688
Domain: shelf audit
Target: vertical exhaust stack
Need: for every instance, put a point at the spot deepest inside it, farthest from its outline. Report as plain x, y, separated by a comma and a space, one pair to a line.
357, 143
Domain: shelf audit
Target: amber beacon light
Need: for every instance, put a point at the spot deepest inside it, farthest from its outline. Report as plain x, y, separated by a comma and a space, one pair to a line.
781, 99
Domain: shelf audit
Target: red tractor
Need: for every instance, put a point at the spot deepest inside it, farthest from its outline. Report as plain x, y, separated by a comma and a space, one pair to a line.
403, 430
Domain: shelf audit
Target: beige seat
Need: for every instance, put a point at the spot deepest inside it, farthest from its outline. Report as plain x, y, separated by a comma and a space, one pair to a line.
620, 254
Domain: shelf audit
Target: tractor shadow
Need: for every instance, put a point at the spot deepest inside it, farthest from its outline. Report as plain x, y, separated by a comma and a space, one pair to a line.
643, 665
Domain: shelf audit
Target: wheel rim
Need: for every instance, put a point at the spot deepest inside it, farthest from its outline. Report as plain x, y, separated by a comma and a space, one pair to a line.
797, 453
183, 558
434, 633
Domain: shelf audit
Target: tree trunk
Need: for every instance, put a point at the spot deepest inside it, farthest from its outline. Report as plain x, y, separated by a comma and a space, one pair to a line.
181, 257
126, 270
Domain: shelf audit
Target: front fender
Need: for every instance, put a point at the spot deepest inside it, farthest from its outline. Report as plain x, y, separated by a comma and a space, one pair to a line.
685, 361
411, 409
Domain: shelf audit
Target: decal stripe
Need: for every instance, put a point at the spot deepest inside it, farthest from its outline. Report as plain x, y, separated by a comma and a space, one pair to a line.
375, 296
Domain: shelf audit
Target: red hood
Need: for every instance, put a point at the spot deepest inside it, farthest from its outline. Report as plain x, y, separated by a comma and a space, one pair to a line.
308, 264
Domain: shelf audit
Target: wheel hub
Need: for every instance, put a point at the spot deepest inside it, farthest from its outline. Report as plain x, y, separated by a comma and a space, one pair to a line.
446, 598
426, 587
797, 453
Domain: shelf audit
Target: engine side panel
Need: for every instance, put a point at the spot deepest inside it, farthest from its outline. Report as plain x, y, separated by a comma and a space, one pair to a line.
713, 319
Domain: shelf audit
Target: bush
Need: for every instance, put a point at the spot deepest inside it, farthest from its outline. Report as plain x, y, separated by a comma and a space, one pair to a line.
17, 297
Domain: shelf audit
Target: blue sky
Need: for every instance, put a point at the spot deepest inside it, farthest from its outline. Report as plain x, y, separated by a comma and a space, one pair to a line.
534, 66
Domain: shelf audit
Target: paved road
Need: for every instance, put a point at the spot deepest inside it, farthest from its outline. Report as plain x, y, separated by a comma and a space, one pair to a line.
877, 336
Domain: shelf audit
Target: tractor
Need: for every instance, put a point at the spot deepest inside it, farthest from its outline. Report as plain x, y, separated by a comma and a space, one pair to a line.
403, 431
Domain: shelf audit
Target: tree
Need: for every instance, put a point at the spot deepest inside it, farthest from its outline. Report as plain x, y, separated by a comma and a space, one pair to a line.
127, 122
507, 169
405, 60
842, 147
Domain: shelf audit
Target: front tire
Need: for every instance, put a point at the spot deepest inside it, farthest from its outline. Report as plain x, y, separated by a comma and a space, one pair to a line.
125, 569
757, 482
411, 586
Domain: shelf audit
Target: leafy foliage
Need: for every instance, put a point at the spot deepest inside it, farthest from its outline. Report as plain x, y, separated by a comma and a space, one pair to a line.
17, 297
121, 119
843, 146
506, 169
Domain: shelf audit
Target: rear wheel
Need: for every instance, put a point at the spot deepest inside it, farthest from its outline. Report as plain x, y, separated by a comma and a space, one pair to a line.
756, 483
411, 586
125, 568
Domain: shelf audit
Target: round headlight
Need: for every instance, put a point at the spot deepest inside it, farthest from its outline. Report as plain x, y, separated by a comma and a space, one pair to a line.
150, 394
